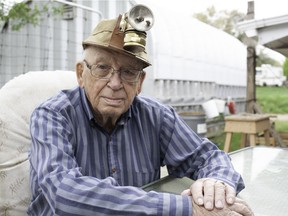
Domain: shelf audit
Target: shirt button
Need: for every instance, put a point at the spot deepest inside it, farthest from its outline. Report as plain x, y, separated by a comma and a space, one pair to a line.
114, 170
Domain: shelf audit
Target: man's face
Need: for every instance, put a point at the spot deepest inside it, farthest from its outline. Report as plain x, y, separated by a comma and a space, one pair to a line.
109, 97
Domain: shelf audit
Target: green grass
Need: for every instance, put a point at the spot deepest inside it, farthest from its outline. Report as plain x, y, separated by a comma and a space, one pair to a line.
281, 126
220, 140
273, 99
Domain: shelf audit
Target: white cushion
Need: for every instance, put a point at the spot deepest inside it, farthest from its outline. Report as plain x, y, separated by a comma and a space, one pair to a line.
18, 99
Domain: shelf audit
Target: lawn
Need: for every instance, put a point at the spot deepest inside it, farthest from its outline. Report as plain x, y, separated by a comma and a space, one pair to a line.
281, 126
273, 100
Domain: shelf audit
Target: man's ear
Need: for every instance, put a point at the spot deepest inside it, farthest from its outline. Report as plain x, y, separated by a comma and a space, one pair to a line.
79, 73
141, 80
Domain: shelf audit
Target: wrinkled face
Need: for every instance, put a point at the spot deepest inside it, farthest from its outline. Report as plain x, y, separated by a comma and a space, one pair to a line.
109, 97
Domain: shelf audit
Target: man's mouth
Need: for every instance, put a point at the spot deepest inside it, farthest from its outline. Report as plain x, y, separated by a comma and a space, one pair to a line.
113, 101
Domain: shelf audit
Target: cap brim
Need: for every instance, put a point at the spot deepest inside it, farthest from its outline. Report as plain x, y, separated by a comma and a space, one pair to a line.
90, 42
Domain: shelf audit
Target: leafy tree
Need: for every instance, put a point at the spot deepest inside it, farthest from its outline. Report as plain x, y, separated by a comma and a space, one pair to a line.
224, 20
23, 13
263, 58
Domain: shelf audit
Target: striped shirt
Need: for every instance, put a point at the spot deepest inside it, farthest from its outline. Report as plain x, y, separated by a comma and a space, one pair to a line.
77, 168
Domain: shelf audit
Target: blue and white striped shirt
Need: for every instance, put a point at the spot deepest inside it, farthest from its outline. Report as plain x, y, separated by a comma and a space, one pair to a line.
77, 168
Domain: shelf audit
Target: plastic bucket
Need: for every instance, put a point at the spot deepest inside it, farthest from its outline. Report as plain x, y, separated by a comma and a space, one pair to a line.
220, 105
196, 121
210, 109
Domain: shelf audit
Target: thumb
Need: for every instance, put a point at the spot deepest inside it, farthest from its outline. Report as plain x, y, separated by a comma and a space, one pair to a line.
186, 192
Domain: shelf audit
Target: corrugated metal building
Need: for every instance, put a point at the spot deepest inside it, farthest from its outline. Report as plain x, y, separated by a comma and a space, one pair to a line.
192, 62
56, 42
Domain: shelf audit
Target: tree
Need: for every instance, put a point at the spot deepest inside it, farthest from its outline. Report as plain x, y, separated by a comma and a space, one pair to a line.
23, 13
227, 21
263, 58
224, 20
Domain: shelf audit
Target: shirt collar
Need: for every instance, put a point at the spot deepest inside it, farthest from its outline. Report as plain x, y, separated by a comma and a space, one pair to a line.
125, 117
86, 105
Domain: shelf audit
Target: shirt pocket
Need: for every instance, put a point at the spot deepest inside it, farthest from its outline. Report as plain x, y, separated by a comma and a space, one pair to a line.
145, 173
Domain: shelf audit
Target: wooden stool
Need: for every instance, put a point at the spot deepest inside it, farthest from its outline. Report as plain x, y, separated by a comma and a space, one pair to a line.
247, 124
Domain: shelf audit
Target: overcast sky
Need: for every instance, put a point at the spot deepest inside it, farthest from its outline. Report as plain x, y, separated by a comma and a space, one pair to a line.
262, 9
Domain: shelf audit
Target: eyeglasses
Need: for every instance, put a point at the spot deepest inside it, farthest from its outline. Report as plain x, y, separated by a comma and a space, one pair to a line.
102, 71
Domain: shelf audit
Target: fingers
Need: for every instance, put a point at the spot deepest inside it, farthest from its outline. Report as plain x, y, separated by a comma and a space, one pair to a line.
201, 210
219, 194
232, 213
241, 207
209, 194
197, 191
230, 194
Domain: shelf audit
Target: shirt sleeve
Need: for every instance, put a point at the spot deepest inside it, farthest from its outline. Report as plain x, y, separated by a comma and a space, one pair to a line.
187, 154
59, 188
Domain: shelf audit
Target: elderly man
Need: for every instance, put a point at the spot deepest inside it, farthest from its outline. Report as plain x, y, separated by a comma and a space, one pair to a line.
94, 146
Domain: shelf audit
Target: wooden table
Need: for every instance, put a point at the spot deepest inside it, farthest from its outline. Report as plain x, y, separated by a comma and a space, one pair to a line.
248, 125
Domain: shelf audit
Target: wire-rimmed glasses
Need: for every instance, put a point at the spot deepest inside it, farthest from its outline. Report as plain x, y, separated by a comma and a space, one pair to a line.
103, 71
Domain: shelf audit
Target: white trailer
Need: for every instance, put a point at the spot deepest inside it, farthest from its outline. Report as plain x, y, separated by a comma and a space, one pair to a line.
268, 75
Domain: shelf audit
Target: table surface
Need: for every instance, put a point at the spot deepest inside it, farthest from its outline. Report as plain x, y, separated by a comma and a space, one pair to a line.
247, 117
265, 173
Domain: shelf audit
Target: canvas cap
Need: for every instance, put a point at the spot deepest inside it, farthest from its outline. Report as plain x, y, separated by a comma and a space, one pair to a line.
107, 35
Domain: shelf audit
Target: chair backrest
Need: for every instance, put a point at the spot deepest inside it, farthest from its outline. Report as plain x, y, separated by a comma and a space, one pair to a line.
18, 99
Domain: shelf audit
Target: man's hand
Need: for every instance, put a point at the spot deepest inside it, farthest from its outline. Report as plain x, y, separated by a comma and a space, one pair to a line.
211, 192
208, 193
239, 208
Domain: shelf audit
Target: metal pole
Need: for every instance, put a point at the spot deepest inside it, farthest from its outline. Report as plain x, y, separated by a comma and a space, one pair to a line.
80, 6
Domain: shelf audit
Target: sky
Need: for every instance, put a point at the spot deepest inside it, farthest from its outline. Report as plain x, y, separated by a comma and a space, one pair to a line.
193, 6
262, 9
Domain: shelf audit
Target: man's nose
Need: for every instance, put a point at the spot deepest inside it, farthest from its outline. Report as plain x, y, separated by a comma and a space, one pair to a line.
115, 81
